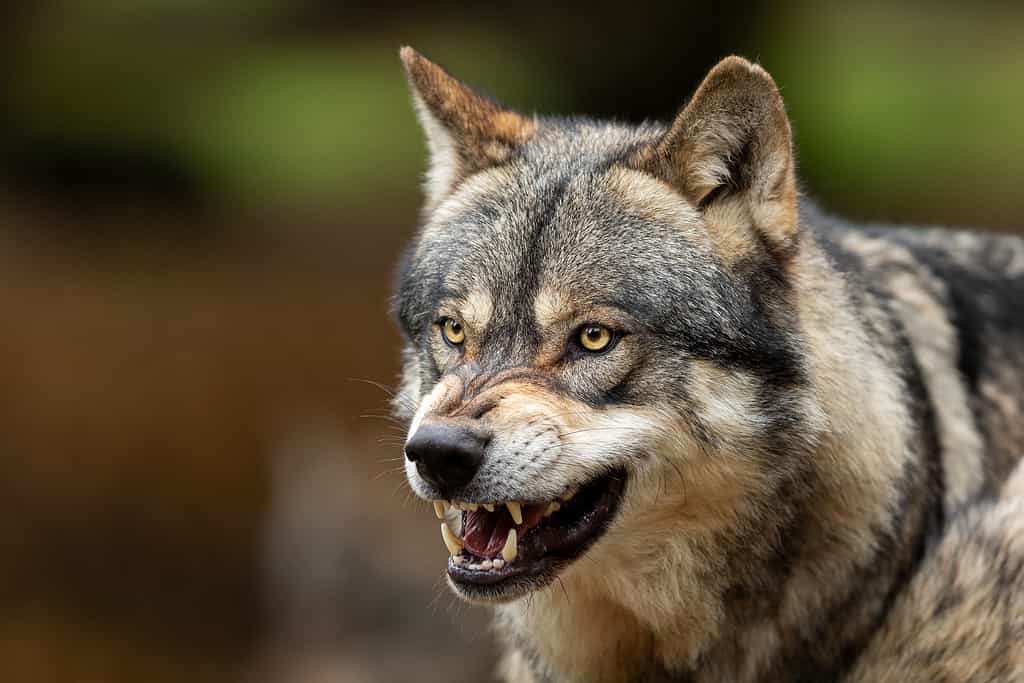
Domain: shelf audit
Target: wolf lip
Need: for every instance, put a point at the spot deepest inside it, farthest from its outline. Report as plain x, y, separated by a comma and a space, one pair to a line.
520, 547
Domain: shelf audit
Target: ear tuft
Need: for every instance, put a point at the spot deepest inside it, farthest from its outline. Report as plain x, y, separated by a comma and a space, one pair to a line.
732, 139
466, 132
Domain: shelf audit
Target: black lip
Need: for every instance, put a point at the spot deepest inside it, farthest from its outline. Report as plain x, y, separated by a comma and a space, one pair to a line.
546, 550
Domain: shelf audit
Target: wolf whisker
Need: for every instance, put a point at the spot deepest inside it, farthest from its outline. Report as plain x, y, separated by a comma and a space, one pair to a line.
388, 472
379, 385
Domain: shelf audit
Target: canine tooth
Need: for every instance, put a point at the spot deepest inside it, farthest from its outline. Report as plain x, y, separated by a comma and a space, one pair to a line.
470, 507
453, 542
553, 507
440, 508
510, 550
458, 559
489, 507
498, 564
567, 496
516, 510
486, 564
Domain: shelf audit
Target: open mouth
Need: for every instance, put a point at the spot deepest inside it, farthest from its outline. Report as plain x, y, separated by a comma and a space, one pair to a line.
505, 549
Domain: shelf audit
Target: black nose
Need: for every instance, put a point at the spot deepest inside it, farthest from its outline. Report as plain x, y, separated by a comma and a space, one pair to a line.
446, 455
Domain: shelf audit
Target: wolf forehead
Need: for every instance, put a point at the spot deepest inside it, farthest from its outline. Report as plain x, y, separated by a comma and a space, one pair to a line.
568, 227
564, 223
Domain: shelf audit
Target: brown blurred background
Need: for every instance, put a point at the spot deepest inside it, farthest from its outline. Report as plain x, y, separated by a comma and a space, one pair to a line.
200, 206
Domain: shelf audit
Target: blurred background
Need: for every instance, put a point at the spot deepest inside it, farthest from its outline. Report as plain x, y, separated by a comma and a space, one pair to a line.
200, 206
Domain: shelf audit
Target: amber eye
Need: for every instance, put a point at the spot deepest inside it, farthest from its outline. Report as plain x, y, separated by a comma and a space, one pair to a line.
454, 332
595, 337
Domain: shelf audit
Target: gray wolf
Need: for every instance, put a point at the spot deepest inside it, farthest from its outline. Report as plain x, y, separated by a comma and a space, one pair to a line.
681, 425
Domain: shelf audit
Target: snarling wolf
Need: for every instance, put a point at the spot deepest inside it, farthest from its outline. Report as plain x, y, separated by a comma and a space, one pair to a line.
681, 425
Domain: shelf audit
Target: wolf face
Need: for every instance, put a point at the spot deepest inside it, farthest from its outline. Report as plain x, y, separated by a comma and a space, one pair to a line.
601, 334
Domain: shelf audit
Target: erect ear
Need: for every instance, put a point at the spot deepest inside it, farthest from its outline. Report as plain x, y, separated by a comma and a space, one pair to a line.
731, 143
466, 132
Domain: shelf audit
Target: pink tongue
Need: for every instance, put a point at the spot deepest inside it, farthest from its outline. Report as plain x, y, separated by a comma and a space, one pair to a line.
484, 533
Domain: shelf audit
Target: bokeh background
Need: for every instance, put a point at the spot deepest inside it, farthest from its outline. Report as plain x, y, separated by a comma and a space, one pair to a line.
200, 205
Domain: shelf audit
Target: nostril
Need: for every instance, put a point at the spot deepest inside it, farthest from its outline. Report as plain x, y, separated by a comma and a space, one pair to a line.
429, 475
412, 450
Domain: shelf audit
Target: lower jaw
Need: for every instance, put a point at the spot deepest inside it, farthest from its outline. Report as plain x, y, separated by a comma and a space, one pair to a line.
531, 573
503, 585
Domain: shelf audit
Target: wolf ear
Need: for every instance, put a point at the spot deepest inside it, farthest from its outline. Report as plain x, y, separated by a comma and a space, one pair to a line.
733, 140
466, 132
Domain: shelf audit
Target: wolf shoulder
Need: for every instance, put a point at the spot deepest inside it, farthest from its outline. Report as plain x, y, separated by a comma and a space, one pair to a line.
962, 616
955, 299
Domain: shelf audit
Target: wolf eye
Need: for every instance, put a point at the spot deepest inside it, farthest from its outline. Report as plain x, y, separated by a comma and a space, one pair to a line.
453, 331
595, 338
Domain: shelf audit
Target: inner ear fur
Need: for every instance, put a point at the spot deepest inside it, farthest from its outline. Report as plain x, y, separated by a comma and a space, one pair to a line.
466, 132
732, 139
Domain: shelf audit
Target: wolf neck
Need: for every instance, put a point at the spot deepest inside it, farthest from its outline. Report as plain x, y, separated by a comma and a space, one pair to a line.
788, 587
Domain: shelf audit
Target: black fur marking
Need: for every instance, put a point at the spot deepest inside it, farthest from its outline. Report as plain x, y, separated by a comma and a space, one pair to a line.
399, 302
986, 309
928, 446
620, 393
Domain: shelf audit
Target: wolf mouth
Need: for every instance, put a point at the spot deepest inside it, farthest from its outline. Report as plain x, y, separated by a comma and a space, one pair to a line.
508, 549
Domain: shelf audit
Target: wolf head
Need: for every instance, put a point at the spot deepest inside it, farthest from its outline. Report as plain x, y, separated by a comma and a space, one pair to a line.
601, 339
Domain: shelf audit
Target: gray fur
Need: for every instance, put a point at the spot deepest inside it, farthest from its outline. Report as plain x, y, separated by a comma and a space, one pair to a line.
800, 404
